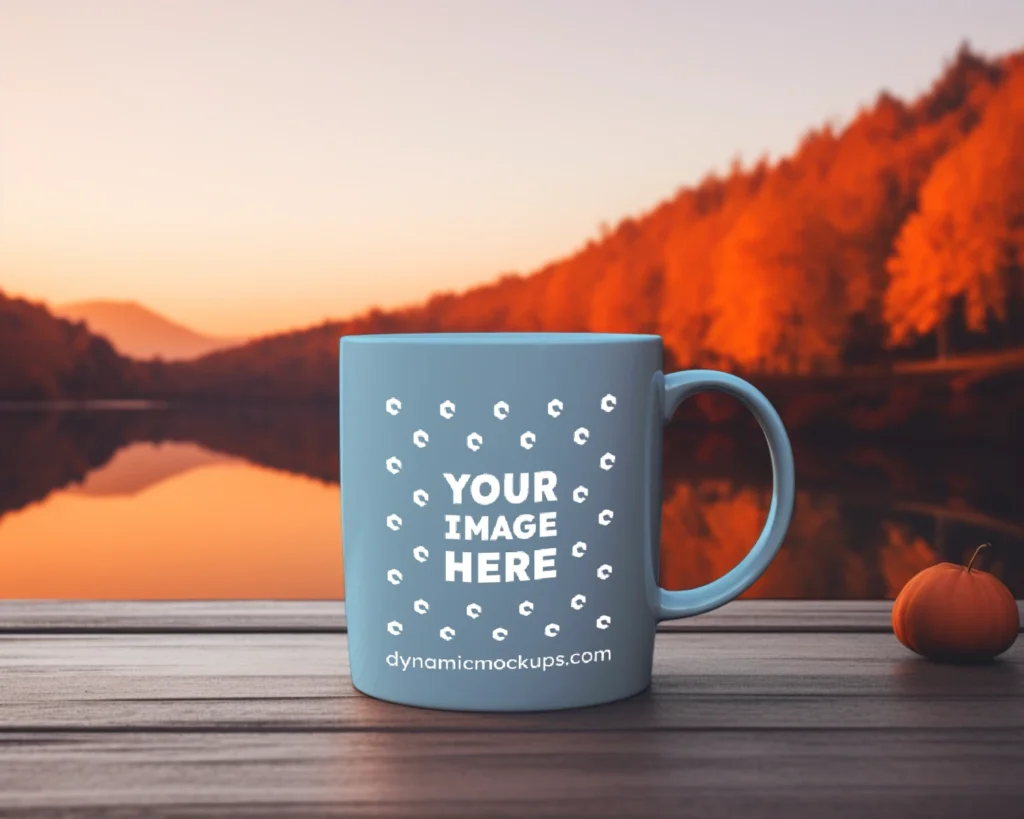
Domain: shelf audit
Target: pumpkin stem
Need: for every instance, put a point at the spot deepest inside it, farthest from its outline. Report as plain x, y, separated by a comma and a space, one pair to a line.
976, 551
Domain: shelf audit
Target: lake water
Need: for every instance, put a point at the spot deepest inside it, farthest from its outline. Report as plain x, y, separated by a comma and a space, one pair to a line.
233, 502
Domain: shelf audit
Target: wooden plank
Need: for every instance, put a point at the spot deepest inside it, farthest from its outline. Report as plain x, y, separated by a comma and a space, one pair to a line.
157, 617
302, 616
261, 616
791, 616
267, 725
883, 774
299, 683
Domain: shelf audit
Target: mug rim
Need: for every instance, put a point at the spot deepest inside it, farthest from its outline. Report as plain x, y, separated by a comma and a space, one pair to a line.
503, 338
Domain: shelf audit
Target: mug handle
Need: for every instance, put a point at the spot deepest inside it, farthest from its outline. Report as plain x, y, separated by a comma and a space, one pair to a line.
672, 605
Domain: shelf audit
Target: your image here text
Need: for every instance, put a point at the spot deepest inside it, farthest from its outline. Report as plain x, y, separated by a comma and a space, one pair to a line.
496, 567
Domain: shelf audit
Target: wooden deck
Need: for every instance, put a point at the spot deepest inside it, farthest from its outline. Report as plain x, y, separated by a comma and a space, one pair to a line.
765, 709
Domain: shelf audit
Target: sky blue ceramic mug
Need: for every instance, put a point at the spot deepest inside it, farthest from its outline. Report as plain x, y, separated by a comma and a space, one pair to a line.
501, 508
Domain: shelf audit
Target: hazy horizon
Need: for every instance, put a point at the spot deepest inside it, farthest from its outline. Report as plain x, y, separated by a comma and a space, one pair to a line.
244, 168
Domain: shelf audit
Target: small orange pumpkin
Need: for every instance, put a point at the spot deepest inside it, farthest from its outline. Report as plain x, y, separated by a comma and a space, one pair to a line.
952, 613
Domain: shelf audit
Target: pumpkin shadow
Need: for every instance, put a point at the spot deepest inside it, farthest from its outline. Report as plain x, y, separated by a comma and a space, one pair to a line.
921, 677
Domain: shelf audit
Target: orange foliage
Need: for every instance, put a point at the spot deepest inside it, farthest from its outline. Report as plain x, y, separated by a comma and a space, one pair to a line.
701, 220
626, 297
776, 302
967, 238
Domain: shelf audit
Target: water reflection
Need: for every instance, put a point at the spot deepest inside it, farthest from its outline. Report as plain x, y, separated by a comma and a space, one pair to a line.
241, 502
175, 521
139, 466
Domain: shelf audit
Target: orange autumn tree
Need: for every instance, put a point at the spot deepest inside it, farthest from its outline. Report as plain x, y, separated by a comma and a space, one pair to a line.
966, 241
624, 297
778, 298
702, 217
799, 277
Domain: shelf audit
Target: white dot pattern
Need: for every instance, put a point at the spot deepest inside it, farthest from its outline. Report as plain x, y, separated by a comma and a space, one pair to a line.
528, 439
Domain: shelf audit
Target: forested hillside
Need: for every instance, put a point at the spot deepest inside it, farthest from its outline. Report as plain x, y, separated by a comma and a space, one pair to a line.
44, 358
898, 236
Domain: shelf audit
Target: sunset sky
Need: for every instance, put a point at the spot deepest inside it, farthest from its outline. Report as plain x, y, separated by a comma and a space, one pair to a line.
245, 167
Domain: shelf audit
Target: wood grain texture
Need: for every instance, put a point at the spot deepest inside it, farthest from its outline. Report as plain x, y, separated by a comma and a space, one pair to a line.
196, 724
261, 616
155, 617
880, 774
282, 682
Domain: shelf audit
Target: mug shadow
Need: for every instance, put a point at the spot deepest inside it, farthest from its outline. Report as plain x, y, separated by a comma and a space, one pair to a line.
638, 712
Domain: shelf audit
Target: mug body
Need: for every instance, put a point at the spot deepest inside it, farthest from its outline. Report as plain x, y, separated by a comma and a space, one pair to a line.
500, 508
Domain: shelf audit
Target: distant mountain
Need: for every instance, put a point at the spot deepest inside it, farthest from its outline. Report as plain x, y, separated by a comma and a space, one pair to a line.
896, 237
142, 333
